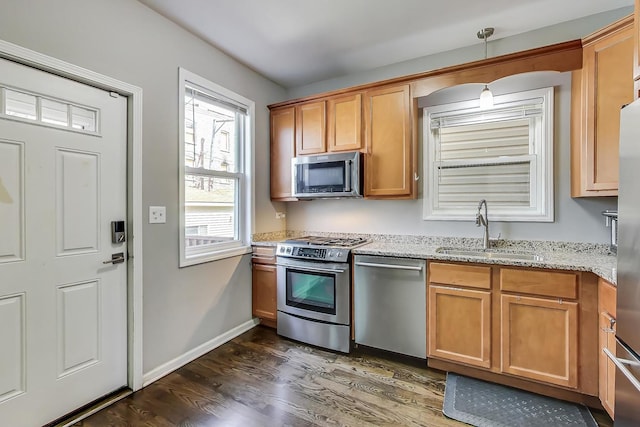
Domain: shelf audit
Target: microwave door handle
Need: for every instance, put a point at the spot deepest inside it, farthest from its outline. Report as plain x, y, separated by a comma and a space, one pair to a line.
294, 177
347, 175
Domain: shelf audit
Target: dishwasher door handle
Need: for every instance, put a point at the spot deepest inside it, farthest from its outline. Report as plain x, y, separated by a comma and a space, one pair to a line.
389, 266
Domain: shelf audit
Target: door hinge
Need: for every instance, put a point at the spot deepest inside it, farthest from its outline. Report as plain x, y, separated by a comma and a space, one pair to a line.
114, 94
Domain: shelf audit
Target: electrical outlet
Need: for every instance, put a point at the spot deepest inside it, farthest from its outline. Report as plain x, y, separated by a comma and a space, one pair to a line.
157, 214
280, 215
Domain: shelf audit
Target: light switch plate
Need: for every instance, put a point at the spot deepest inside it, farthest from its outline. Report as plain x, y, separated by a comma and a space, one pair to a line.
157, 214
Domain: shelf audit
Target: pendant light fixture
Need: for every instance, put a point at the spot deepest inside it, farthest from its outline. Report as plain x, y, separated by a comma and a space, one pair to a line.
486, 97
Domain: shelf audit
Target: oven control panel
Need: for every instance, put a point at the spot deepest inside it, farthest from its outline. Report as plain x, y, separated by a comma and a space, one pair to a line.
313, 253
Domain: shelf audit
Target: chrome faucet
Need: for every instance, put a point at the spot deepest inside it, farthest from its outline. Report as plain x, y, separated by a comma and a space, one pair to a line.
484, 221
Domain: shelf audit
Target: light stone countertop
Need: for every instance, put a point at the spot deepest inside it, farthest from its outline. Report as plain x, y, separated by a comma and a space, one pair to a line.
555, 255
602, 265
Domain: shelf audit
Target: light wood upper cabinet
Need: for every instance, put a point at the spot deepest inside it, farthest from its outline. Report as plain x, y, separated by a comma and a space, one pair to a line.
389, 161
599, 90
283, 149
607, 339
540, 339
345, 123
311, 127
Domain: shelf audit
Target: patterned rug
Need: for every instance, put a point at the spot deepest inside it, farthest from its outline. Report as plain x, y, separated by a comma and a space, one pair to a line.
484, 404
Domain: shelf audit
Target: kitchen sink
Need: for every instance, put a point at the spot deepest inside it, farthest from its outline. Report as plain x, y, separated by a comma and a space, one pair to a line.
490, 254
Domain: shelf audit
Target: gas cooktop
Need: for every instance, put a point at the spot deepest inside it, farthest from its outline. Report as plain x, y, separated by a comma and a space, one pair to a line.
319, 248
338, 242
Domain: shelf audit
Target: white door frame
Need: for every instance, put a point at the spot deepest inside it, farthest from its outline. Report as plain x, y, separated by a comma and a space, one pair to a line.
134, 185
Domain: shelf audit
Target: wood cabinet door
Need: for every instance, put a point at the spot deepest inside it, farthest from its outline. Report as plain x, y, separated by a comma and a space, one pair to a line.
606, 84
345, 123
540, 339
607, 374
459, 325
264, 291
311, 128
606, 339
283, 128
389, 168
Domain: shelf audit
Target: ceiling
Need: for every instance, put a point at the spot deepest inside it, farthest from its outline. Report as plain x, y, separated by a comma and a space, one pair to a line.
296, 42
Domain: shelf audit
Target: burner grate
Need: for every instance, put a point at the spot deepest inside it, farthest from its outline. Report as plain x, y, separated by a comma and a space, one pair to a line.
342, 242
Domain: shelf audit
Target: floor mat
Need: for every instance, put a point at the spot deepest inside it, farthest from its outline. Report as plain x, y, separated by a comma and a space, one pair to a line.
484, 404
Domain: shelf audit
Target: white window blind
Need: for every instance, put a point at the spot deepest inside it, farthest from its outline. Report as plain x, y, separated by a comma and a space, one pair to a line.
486, 160
502, 155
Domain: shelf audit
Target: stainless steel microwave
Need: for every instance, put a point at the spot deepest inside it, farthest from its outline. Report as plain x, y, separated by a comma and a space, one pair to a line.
327, 175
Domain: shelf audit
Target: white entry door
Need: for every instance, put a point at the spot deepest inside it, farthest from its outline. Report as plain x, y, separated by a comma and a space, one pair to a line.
63, 329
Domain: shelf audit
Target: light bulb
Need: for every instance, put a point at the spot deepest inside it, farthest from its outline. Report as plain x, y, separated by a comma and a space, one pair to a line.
486, 98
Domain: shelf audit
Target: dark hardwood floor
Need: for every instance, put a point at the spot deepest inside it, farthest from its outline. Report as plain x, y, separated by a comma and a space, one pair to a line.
260, 379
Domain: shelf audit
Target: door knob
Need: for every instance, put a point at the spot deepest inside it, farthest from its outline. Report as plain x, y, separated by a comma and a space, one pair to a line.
115, 259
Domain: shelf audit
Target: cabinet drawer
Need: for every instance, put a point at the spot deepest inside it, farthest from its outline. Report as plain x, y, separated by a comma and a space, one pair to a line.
463, 275
607, 297
264, 255
547, 283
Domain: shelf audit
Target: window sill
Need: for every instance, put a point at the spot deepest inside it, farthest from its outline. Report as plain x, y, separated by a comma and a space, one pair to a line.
216, 256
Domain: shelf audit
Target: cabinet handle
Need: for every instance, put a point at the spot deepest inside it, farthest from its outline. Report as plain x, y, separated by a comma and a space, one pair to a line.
623, 369
610, 329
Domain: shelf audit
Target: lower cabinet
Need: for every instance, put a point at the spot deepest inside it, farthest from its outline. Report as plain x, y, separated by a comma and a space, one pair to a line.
606, 339
464, 338
540, 339
264, 288
521, 323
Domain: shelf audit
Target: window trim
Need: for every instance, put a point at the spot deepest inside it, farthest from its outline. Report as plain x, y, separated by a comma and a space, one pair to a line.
245, 181
544, 188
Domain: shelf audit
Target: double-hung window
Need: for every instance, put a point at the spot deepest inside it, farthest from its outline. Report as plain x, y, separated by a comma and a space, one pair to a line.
503, 155
215, 129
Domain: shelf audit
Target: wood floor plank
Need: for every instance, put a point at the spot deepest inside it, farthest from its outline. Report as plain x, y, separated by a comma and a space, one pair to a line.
261, 379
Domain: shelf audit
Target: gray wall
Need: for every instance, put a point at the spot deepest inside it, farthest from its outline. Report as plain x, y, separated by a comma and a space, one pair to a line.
575, 219
123, 39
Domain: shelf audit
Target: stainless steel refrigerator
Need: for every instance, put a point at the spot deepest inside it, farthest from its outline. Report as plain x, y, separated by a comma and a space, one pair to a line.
627, 358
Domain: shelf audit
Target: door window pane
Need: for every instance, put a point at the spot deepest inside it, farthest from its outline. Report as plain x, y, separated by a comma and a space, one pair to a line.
54, 112
84, 119
20, 104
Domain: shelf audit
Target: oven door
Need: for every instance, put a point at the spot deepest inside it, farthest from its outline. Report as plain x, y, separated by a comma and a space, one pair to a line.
314, 290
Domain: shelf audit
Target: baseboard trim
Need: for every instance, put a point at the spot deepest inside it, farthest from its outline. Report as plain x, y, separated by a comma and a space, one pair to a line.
172, 365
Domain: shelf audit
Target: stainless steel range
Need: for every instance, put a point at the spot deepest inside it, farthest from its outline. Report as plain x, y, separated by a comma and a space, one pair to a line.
314, 290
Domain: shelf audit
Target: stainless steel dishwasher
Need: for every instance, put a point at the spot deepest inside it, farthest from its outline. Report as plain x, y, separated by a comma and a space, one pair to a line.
390, 306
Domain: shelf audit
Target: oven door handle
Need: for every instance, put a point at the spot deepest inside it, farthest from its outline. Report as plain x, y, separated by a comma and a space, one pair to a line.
391, 266
314, 269
623, 369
